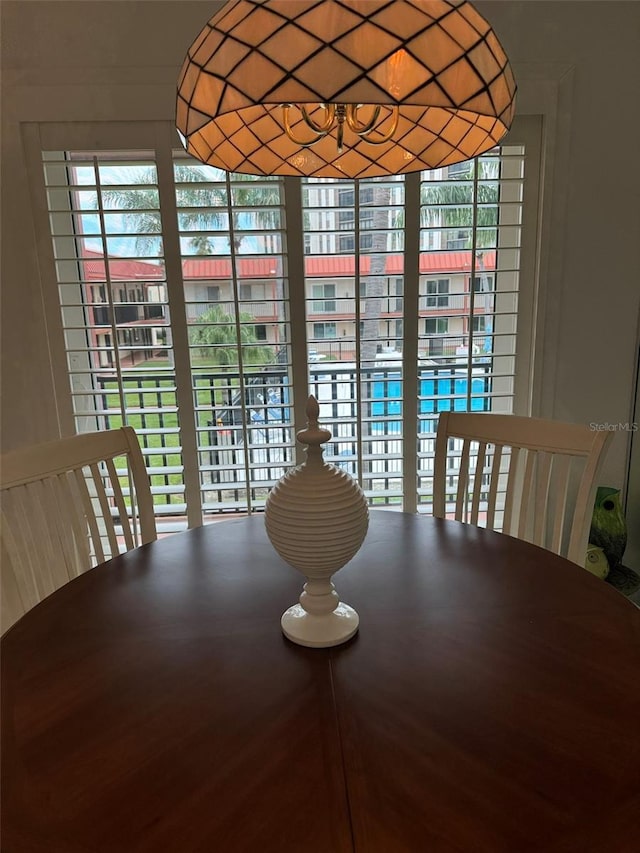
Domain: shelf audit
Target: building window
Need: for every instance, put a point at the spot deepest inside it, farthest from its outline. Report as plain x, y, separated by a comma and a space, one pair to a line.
479, 324
346, 220
483, 283
366, 218
457, 241
397, 304
459, 170
346, 198
436, 326
260, 332
366, 194
324, 331
246, 293
213, 293
438, 293
324, 298
399, 331
347, 243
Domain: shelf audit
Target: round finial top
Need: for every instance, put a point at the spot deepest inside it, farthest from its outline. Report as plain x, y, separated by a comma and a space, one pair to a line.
313, 435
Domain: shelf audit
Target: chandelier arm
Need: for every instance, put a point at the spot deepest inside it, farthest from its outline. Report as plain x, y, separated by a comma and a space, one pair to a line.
327, 124
289, 131
386, 136
355, 126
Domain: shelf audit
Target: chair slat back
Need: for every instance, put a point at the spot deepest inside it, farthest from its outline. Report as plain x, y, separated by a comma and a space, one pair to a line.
529, 477
67, 506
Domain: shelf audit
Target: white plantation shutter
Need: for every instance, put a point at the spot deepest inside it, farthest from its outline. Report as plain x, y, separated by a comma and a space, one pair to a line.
201, 308
471, 222
112, 284
232, 240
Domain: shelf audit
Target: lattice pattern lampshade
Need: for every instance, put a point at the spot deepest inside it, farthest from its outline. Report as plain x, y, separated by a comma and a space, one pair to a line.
438, 61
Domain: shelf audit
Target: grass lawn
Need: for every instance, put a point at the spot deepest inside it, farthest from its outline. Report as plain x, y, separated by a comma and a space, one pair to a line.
149, 394
151, 408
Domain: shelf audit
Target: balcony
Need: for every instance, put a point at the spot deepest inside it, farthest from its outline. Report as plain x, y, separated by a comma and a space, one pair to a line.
244, 426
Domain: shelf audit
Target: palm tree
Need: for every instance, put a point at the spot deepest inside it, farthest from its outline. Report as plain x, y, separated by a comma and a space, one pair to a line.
261, 202
200, 209
450, 204
215, 334
140, 201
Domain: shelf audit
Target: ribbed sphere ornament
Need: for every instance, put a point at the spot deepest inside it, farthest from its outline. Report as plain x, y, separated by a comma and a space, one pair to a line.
316, 518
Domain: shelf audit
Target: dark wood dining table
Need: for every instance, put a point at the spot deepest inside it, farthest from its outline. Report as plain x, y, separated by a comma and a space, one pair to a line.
489, 702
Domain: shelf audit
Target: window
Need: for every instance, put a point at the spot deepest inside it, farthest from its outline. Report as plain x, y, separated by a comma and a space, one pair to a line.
367, 194
459, 170
493, 185
366, 219
324, 296
438, 293
483, 283
397, 286
347, 244
199, 352
479, 324
134, 374
457, 240
346, 197
324, 331
346, 220
436, 326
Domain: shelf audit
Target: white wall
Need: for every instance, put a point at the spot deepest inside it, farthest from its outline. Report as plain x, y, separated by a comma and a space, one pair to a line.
576, 64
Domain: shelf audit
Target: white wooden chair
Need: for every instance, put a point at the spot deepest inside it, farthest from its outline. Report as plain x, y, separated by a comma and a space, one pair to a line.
66, 506
531, 478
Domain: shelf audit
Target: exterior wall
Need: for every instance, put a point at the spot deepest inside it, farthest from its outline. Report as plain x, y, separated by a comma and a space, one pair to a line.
94, 61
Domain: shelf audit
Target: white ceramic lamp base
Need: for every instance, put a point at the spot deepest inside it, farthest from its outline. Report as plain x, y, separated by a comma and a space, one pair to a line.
316, 517
319, 632
320, 619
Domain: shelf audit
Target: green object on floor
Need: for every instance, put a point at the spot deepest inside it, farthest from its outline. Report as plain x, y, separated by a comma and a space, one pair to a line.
608, 525
625, 580
596, 562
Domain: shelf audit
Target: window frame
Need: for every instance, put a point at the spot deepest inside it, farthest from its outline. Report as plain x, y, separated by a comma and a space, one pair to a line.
440, 326
160, 136
437, 292
317, 326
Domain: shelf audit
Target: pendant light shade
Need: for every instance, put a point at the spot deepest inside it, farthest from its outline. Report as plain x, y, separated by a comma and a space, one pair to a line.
344, 88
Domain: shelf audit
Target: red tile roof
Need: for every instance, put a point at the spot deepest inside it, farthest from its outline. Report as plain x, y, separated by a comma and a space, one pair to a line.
221, 267
323, 266
122, 269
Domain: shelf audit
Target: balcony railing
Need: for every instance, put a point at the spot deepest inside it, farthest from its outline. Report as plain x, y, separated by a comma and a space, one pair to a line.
251, 430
